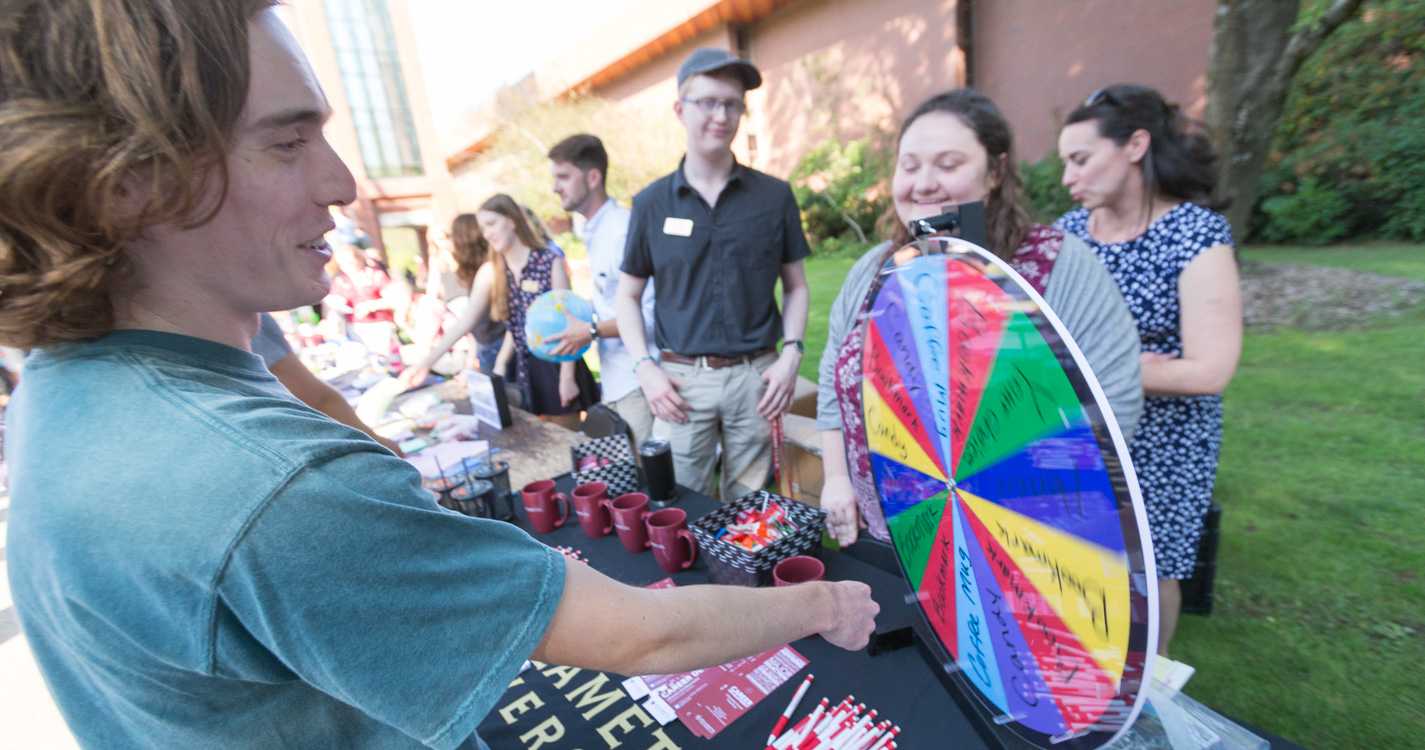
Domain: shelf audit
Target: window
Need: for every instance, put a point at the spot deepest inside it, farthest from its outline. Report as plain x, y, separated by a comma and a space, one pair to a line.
371, 76
742, 37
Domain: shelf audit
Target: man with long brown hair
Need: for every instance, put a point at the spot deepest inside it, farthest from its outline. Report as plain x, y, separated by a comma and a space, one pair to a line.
197, 559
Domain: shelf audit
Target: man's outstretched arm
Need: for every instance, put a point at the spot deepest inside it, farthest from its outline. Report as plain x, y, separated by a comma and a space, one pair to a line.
606, 625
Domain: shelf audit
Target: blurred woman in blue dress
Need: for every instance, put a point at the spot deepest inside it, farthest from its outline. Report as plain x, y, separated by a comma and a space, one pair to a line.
1143, 174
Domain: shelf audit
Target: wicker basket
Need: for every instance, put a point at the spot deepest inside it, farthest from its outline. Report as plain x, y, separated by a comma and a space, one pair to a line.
621, 475
731, 564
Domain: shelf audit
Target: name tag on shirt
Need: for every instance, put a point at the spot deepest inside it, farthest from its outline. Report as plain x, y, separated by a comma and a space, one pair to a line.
678, 227
529, 285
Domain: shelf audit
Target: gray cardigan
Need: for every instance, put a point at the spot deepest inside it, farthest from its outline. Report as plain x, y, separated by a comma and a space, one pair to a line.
1080, 291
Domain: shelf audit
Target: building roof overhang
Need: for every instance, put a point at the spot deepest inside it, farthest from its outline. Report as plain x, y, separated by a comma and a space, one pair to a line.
641, 33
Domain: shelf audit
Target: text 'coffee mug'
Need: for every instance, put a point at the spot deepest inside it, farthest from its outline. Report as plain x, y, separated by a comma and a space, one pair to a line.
629, 512
591, 506
674, 547
547, 509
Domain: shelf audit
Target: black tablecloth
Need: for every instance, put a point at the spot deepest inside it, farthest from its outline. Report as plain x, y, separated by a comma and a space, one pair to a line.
562, 708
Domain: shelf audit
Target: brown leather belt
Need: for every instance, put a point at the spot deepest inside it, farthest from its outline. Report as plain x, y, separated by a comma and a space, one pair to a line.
713, 363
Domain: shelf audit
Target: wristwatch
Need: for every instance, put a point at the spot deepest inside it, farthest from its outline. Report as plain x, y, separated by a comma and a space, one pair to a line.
594, 331
801, 347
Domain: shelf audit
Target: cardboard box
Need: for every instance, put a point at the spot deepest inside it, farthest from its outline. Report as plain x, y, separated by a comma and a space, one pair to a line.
803, 458
804, 398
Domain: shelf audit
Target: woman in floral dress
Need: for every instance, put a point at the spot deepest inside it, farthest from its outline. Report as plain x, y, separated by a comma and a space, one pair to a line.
557, 391
1142, 172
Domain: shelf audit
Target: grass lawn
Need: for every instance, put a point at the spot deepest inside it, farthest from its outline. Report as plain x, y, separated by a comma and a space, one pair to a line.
1388, 258
824, 277
1319, 628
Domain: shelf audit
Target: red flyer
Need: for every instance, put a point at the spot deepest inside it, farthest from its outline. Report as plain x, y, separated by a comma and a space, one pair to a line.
706, 700
710, 699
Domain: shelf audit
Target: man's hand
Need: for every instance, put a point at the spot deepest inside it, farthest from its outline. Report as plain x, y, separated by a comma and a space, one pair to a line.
412, 377
854, 615
781, 380
574, 337
843, 518
661, 390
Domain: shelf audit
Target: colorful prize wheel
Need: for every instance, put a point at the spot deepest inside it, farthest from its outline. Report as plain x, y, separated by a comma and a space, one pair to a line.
1010, 498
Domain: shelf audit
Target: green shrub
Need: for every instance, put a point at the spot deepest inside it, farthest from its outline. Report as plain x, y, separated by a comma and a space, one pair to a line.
640, 151
1354, 124
1313, 215
1044, 193
842, 247
1403, 152
842, 190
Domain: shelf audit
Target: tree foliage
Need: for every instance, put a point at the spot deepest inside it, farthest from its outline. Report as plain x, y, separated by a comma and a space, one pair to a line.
842, 189
641, 149
1258, 46
1044, 193
842, 184
1348, 157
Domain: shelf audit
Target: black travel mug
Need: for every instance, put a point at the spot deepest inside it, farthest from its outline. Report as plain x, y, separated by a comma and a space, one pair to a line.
656, 455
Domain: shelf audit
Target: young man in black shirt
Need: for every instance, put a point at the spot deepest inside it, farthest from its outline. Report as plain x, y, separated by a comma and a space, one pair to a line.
718, 236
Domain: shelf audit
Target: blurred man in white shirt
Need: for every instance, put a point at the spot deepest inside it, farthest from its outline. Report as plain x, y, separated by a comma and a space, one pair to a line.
579, 165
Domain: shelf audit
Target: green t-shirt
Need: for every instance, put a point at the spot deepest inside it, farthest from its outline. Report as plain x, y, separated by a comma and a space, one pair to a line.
199, 560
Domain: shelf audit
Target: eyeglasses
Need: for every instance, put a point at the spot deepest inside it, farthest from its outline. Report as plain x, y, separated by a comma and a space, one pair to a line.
709, 105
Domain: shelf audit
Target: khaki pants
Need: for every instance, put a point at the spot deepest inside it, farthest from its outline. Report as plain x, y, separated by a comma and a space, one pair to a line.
724, 405
634, 410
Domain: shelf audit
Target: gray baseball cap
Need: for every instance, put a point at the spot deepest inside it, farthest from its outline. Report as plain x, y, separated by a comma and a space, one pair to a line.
708, 59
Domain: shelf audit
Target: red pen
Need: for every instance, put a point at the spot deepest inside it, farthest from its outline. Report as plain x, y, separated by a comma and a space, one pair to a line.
838, 731
871, 736
815, 736
888, 740
787, 714
795, 737
818, 731
858, 732
831, 717
853, 734
785, 740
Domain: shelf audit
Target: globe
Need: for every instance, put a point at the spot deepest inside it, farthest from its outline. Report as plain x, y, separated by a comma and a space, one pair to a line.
546, 317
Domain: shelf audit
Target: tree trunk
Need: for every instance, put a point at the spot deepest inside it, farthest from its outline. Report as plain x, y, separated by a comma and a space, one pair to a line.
1255, 55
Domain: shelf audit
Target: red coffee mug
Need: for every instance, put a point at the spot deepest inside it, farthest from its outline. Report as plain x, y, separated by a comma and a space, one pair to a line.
547, 509
591, 509
628, 512
798, 569
667, 532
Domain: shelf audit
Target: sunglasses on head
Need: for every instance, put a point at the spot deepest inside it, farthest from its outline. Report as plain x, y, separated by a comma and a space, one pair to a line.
1101, 96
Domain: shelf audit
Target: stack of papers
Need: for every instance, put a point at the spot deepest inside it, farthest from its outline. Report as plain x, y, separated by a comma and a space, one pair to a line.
707, 700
